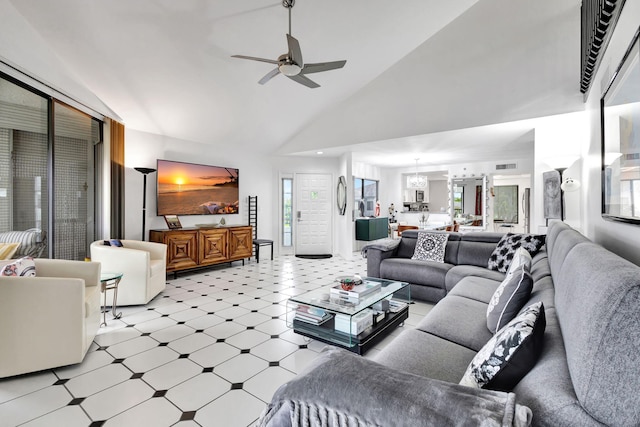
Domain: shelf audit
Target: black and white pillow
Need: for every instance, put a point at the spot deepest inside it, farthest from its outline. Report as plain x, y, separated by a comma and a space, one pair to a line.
509, 298
504, 252
430, 246
507, 357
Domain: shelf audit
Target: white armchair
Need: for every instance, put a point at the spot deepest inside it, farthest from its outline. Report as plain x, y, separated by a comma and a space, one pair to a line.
143, 268
49, 320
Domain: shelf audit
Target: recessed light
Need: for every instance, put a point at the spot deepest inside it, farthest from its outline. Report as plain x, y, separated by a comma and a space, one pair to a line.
319, 152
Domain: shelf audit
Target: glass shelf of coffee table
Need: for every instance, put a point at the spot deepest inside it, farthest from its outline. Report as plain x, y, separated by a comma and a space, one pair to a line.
356, 326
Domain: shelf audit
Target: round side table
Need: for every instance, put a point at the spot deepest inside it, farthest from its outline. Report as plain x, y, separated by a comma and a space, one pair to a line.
110, 281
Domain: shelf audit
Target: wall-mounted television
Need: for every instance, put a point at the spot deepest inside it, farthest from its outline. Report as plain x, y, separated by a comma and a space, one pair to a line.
192, 189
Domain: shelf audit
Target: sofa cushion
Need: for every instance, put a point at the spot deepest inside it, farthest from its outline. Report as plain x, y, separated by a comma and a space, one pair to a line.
32, 241
506, 248
476, 288
23, 267
459, 320
427, 355
414, 271
459, 272
509, 298
430, 246
510, 354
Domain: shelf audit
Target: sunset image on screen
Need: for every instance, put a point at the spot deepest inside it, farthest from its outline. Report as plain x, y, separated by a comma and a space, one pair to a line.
191, 189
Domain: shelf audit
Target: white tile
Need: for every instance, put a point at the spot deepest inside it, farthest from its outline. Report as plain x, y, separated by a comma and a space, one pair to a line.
273, 327
172, 333
97, 380
172, 308
114, 400
273, 310
255, 304
33, 405
131, 347
157, 412
292, 337
150, 359
274, 350
236, 408
267, 382
141, 316
68, 416
225, 330
186, 315
171, 374
239, 299
115, 337
297, 361
200, 300
204, 322
214, 355
155, 324
232, 312
275, 297
240, 368
252, 319
191, 343
196, 392
13, 387
93, 360
247, 339
214, 307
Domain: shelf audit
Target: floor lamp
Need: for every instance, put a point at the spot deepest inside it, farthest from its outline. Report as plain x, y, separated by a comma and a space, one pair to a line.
144, 172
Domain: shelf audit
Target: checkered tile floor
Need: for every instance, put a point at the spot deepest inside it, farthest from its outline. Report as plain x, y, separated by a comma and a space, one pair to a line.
208, 351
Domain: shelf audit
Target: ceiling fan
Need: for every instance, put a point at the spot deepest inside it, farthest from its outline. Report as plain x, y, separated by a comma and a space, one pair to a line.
291, 64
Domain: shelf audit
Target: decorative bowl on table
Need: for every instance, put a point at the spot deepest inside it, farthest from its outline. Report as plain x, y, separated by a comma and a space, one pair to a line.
347, 282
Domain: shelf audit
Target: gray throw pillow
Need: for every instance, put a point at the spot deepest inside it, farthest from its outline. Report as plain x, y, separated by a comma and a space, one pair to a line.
505, 250
507, 357
509, 298
430, 246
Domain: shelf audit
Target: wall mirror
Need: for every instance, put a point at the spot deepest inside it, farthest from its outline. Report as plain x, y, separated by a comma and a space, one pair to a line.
468, 201
342, 195
620, 113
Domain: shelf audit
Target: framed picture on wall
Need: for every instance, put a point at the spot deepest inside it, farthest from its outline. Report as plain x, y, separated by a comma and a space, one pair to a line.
552, 198
172, 222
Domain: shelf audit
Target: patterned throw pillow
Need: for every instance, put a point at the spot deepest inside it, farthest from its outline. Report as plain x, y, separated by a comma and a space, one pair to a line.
430, 246
509, 298
507, 357
24, 267
507, 246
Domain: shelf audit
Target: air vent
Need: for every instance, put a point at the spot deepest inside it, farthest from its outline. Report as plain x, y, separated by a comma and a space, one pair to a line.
506, 166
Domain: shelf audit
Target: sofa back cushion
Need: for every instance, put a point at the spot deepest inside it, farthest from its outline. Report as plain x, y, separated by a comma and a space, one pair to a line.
598, 306
476, 248
407, 246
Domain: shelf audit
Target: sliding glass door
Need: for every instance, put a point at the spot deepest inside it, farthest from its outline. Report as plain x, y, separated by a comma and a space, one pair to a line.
47, 174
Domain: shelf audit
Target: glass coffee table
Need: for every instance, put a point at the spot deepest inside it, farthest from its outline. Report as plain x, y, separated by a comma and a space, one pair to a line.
354, 324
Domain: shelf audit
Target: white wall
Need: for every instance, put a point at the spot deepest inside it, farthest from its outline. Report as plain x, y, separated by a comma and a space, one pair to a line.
142, 149
617, 237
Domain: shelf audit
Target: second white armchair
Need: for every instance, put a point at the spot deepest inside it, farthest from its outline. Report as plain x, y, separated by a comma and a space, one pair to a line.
143, 265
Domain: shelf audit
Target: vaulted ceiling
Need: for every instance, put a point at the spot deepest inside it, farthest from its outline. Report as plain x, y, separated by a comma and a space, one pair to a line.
417, 72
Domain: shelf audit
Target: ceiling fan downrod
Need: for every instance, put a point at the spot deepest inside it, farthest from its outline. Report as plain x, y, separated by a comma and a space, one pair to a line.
289, 5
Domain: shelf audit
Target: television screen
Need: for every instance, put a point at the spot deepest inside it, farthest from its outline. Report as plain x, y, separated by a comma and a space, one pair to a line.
190, 189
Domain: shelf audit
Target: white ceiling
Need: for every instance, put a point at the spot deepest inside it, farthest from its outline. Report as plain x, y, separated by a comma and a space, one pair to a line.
444, 71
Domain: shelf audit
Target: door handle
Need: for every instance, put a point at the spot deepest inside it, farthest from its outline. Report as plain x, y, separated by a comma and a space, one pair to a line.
299, 216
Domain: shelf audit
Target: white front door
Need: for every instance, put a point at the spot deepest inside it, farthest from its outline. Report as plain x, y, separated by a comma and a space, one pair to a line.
313, 214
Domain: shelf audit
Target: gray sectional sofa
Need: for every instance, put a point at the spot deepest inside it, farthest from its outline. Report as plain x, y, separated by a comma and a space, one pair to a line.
465, 255
588, 373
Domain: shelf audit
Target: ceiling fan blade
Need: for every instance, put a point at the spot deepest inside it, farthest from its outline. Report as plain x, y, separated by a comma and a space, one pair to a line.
294, 50
253, 58
271, 74
304, 81
322, 66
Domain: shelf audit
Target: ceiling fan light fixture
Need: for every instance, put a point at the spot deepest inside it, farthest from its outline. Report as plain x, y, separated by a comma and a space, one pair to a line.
289, 69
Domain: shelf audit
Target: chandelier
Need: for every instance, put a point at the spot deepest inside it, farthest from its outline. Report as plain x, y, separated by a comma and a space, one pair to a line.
417, 181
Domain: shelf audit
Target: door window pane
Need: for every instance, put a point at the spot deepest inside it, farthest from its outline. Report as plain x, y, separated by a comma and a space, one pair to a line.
287, 212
